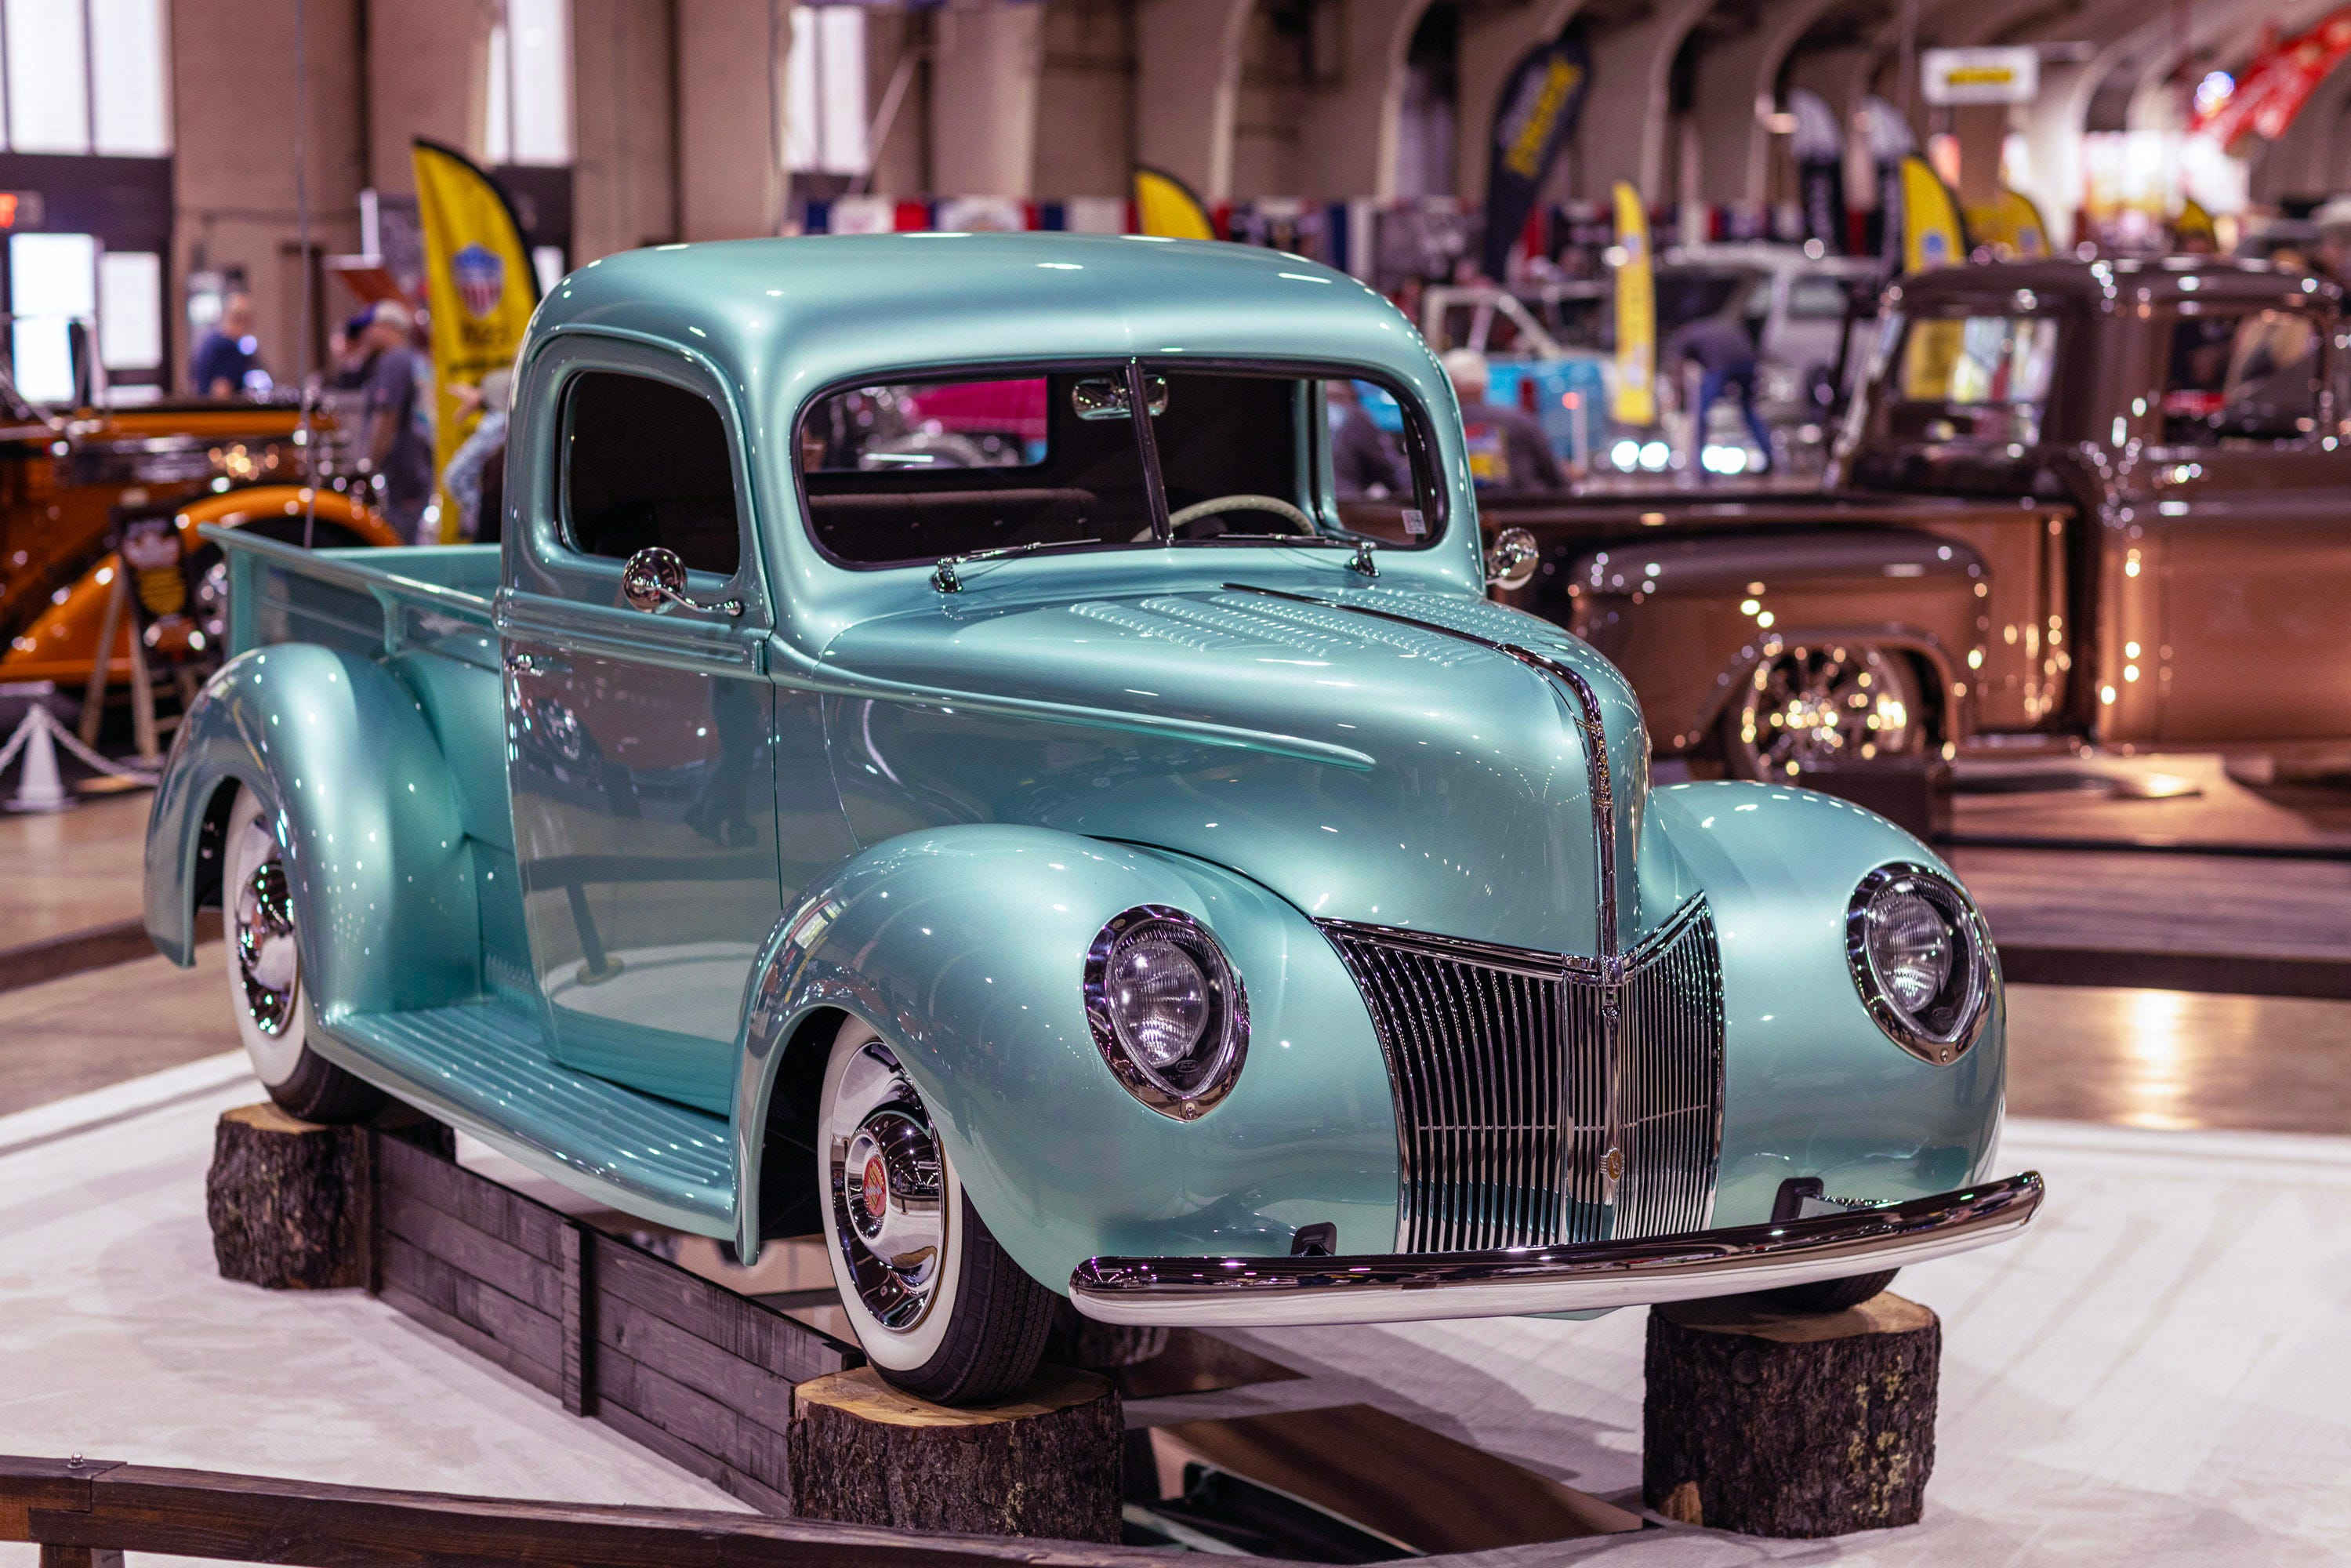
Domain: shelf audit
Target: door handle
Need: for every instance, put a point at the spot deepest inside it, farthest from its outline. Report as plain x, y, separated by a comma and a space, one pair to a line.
519, 662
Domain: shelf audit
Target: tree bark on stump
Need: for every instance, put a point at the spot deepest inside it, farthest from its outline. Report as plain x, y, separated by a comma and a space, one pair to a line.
284, 1210
1046, 1463
1779, 1424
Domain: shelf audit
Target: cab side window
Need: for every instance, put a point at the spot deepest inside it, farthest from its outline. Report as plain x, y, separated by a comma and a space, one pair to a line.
646, 464
2248, 378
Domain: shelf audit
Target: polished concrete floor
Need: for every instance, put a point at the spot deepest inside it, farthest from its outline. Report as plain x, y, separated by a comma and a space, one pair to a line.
71, 871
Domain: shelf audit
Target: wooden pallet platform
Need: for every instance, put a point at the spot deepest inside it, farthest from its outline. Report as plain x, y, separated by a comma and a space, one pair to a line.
689, 1369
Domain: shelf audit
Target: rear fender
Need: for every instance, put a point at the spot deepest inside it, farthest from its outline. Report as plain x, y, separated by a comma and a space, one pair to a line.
964, 948
1688, 632
369, 819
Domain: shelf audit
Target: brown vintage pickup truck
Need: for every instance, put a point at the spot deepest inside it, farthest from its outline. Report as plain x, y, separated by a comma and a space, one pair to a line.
2106, 502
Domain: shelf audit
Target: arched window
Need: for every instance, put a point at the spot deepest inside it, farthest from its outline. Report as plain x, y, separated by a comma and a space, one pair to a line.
824, 92
85, 76
528, 111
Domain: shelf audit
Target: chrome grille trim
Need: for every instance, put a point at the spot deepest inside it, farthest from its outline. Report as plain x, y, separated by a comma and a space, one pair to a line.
1517, 1072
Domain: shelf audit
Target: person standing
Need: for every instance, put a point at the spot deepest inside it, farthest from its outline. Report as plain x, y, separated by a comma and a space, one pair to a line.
1725, 356
1506, 446
465, 480
228, 359
399, 443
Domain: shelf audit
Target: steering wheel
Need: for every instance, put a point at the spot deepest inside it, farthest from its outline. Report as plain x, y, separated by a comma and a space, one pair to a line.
1242, 503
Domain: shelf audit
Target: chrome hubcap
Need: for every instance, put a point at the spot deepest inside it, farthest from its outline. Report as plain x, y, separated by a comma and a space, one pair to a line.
1820, 708
267, 961
888, 1190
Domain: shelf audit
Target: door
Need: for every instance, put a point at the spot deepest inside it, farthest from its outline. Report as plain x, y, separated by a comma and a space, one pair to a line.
2247, 502
641, 747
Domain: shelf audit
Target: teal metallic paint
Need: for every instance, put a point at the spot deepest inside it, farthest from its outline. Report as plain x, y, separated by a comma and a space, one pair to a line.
991, 765
1812, 1087
964, 948
375, 848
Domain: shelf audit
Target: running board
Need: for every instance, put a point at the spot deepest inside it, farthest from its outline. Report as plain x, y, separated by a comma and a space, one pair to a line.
484, 1068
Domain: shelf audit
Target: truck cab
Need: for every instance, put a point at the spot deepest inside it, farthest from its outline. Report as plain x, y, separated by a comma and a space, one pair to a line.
2074, 502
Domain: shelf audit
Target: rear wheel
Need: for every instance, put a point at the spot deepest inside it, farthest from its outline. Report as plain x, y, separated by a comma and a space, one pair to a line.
940, 1310
1827, 1295
265, 974
1837, 705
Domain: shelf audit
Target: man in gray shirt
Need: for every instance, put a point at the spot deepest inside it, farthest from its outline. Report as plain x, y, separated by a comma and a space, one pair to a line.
399, 439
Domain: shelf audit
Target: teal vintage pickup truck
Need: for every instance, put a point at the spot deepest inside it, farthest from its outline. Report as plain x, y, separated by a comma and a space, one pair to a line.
939, 763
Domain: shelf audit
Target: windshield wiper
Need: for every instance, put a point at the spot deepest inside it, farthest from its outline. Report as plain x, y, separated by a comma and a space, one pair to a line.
944, 576
1361, 561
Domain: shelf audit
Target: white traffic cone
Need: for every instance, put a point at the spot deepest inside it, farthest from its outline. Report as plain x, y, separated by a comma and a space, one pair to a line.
38, 786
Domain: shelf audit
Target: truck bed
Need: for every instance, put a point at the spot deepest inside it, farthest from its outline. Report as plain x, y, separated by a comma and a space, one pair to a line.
370, 601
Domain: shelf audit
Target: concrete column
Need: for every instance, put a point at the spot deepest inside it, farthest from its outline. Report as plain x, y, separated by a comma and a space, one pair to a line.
428, 75
1623, 135
1086, 100
1737, 83
896, 41
624, 158
728, 183
1187, 59
232, 160
1350, 146
983, 84
1493, 40
1980, 130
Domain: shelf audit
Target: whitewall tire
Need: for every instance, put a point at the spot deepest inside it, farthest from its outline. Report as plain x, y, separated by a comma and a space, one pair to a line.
938, 1307
265, 973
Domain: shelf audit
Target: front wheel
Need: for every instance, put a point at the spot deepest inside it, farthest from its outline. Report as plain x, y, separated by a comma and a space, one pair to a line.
265, 974
939, 1308
1827, 1295
1837, 705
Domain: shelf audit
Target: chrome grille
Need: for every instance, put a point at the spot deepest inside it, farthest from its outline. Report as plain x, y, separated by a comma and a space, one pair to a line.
1516, 1072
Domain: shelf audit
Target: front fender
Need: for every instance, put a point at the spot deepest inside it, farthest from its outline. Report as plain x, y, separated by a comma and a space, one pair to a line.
964, 948
375, 850
1812, 1086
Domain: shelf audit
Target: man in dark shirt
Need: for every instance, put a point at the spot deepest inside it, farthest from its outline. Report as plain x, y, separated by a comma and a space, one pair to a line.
397, 439
1508, 449
229, 353
1363, 462
1725, 356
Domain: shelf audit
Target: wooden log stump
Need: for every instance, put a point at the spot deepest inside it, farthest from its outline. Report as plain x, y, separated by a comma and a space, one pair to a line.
1778, 1423
1046, 1463
283, 1202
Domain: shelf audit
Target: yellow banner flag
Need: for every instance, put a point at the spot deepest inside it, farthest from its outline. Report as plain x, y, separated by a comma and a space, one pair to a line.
1634, 399
1165, 206
2011, 226
1931, 235
478, 286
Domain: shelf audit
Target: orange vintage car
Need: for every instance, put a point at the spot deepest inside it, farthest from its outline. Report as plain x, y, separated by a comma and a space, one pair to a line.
67, 483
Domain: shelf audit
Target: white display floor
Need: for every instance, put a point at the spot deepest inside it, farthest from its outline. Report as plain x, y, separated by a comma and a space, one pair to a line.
2158, 1374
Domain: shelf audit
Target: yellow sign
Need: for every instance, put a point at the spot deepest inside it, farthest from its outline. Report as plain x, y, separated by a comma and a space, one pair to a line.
1165, 206
1931, 236
1634, 399
478, 286
2011, 226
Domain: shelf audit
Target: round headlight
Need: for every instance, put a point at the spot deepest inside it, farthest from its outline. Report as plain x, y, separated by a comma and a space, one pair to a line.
1166, 1009
1921, 960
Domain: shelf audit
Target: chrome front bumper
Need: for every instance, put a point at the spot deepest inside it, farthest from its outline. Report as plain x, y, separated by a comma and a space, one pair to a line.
1404, 1287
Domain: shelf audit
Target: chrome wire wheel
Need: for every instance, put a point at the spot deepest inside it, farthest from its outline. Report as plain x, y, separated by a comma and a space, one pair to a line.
1810, 708
890, 1206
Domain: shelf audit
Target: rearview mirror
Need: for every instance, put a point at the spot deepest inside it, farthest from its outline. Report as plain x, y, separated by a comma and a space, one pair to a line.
1105, 397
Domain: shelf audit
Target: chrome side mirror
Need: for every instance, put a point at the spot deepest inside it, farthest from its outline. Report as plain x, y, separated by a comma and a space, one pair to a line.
1511, 563
655, 579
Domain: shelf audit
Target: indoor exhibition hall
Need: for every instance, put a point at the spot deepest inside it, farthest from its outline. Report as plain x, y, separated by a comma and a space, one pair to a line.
916, 783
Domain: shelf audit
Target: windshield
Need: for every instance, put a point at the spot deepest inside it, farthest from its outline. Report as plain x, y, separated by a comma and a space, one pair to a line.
911, 471
1973, 380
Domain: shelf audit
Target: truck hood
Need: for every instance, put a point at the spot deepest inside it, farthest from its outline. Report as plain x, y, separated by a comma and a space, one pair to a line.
1362, 767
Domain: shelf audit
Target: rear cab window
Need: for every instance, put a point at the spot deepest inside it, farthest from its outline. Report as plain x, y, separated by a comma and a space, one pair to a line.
1973, 380
912, 470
